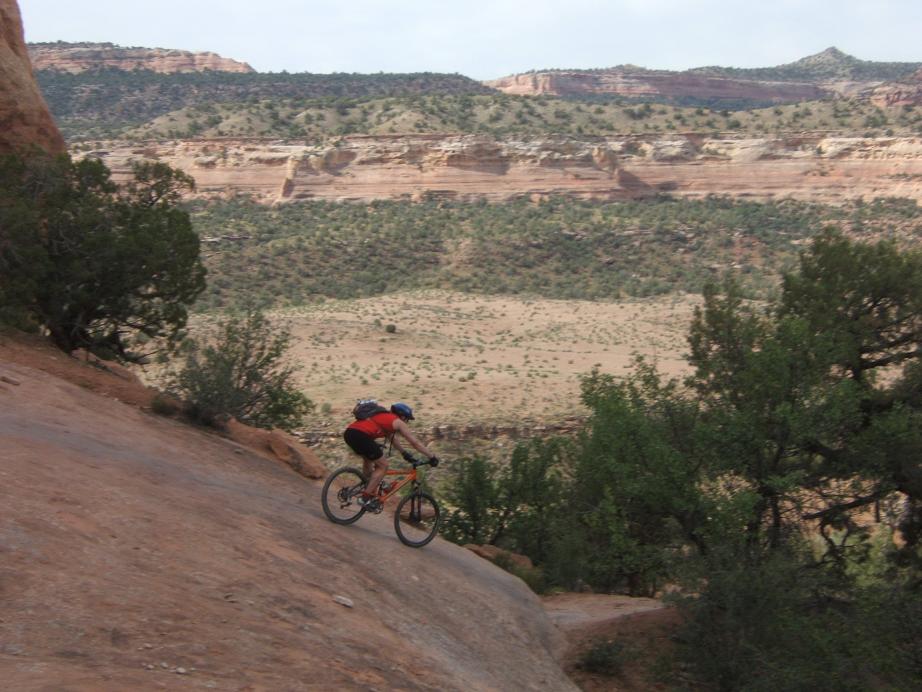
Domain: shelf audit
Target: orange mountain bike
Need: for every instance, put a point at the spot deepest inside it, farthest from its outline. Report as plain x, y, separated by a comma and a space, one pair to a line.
417, 518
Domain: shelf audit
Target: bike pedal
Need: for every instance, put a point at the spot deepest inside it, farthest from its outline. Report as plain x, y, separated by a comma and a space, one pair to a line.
371, 505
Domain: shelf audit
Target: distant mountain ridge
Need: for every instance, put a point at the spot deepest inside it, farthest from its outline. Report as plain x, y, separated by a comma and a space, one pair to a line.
830, 64
827, 74
904, 92
101, 90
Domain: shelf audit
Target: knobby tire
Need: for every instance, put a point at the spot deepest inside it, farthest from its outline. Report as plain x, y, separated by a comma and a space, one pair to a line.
417, 519
340, 494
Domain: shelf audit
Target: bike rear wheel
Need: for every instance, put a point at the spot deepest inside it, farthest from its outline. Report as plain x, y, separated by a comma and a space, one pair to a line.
416, 520
340, 495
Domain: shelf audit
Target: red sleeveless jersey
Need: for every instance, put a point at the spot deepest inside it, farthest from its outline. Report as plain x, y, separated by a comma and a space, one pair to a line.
379, 425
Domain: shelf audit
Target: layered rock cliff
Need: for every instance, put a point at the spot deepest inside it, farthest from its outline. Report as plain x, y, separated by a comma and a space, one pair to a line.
24, 118
813, 166
80, 57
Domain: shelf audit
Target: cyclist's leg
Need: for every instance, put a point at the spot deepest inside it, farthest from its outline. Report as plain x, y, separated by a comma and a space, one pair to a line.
370, 451
365, 446
375, 477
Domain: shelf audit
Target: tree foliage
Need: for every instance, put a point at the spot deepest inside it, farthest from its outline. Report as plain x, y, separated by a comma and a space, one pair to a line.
560, 248
508, 506
94, 263
816, 398
771, 483
240, 371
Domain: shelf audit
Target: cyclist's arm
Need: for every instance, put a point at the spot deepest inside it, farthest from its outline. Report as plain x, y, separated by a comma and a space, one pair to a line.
396, 443
404, 430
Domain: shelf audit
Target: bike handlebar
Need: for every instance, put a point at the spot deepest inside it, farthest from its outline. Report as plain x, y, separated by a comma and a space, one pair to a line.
416, 463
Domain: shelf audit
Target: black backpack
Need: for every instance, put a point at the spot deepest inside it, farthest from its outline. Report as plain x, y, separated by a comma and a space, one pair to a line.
367, 408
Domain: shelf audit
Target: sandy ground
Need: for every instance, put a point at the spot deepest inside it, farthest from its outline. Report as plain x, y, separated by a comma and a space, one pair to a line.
641, 629
462, 358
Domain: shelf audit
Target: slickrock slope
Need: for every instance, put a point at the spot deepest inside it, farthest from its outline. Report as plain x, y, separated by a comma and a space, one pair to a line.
24, 117
809, 167
79, 57
139, 553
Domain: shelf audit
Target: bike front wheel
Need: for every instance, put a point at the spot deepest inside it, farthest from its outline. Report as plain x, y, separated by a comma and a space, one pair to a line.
341, 493
416, 520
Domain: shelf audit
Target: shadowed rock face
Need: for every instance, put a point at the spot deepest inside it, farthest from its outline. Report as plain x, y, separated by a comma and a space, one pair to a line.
24, 118
75, 58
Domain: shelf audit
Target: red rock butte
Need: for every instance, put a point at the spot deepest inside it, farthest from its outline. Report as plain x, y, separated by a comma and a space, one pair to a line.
80, 57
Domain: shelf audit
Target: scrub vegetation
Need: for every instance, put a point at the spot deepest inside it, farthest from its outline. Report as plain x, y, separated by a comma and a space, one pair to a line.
777, 488
496, 115
561, 248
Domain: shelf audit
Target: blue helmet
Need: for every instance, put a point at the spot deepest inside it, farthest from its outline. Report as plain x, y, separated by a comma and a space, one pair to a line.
403, 411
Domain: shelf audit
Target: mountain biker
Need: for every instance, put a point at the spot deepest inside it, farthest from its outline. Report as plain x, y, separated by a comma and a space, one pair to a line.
361, 436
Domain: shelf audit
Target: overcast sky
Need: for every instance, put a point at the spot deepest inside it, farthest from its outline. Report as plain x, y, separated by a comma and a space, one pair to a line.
484, 39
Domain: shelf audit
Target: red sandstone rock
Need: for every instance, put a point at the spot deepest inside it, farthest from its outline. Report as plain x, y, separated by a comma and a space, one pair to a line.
140, 553
108, 366
279, 445
24, 118
492, 553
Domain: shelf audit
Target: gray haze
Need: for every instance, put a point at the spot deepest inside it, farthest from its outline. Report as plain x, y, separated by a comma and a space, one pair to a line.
484, 39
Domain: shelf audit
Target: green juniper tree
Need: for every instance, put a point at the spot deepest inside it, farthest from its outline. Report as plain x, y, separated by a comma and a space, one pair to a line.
816, 399
93, 263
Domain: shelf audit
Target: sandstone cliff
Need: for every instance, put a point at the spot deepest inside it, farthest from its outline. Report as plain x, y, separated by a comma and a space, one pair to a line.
24, 117
809, 166
80, 57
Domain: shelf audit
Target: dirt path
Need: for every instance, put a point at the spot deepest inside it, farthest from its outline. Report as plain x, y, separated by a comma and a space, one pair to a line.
639, 627
576, 612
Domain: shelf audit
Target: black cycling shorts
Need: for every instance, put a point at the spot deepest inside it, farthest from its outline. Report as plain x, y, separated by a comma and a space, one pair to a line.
362, 444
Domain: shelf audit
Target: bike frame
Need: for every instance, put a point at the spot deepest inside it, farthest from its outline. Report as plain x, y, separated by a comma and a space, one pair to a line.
409, 476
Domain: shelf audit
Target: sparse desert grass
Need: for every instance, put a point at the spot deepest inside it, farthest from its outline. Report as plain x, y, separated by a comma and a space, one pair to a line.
461, 359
